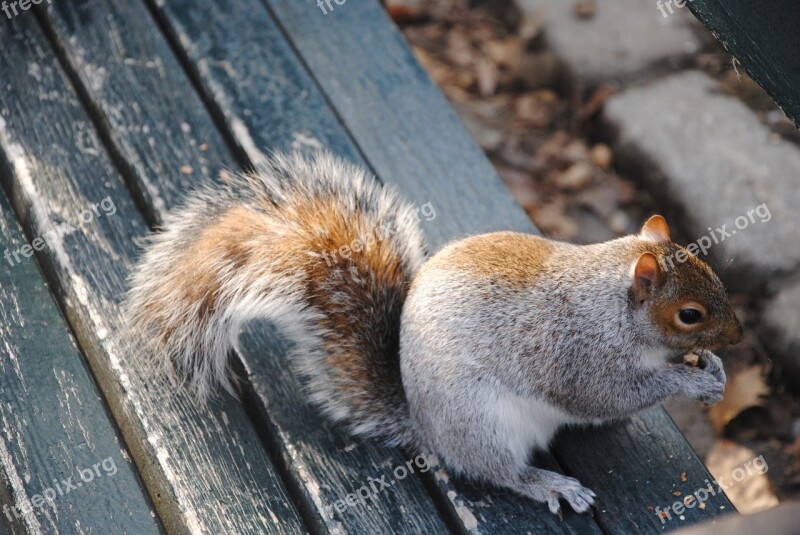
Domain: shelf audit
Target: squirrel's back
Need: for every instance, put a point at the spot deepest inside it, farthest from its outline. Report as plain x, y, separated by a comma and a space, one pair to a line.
312, 244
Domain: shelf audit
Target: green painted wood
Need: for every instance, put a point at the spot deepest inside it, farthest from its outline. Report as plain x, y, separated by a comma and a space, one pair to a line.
409, 135
323, 464
635, 466
54, 426
765, 38
205, 468
482, 509
161, 134
259, 67
401, 122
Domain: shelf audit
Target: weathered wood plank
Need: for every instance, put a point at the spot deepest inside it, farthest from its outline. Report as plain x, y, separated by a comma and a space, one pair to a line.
482, 509
402, 123
162, 136
636, 466
765, 38
409, 135
259, 67
205, 468
54, 426
324, 465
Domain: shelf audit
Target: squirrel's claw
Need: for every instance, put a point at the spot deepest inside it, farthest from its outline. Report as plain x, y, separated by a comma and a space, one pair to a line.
553, 505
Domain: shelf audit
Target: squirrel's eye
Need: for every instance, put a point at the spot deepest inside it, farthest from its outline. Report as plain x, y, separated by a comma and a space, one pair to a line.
690, 316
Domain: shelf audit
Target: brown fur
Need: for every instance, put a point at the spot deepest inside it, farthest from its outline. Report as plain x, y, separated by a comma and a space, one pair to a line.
377, 266
516, 260
508, 258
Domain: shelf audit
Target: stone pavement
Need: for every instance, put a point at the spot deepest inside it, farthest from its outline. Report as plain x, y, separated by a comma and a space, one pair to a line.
621, 40
714, 168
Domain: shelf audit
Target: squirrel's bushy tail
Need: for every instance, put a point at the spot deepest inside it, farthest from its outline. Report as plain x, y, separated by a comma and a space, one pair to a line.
312, 244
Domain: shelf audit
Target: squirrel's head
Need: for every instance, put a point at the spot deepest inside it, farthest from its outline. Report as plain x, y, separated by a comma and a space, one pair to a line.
684, 300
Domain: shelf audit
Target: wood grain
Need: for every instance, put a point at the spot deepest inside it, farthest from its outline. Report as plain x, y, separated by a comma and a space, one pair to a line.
635, 466
402, 123
323, 464
764, 37
53, 423
205, 467
160, 132
409, 135
265, 99
257, 62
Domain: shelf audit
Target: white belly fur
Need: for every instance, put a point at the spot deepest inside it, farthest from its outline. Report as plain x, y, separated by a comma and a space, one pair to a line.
527, 423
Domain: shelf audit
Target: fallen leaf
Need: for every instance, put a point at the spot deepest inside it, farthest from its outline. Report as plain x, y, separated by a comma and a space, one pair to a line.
601, 156
505, 52
404, 12
487, 76
596, 101
551, 218
745, 389
576, 177
752, 492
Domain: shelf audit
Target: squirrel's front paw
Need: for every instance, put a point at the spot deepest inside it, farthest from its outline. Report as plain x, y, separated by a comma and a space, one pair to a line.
704, 384
713, 365
549, 487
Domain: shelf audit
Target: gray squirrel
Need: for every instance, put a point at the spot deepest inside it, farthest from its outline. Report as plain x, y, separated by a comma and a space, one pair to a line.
478, 354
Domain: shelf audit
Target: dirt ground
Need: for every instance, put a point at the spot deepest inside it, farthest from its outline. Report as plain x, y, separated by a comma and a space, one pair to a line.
542, 138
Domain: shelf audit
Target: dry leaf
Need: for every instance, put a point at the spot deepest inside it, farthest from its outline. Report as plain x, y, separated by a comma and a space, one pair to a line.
601, 156
505, 52
596, 101
745, 389
487, 76
405, 11
576, 177
553, 219
753, 492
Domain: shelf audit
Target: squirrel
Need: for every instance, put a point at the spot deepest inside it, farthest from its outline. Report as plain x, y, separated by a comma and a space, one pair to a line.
478, 353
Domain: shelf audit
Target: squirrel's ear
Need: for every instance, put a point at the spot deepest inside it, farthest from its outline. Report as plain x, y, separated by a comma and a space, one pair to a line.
655, 230
645, 276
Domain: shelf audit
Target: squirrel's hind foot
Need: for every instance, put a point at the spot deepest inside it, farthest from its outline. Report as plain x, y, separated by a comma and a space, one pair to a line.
548, 487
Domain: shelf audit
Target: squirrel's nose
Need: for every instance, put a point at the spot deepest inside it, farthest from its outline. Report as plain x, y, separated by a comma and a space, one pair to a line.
735, 334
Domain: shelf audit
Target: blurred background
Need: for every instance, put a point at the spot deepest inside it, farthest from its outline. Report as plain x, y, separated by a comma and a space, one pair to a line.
559, 93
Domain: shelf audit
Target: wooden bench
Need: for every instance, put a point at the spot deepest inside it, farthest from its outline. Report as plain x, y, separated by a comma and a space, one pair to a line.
765, 38
136, 101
